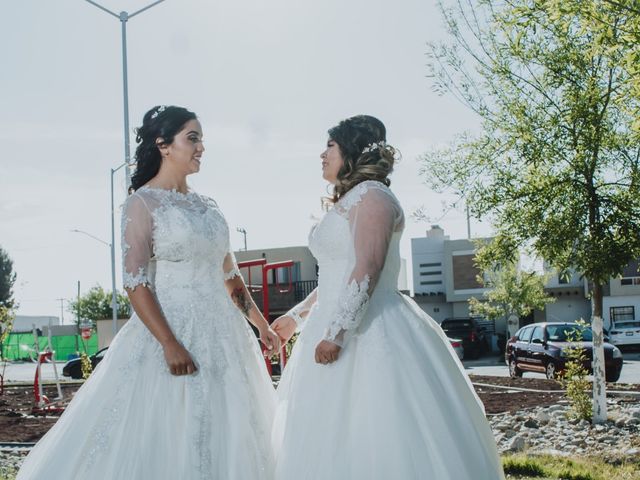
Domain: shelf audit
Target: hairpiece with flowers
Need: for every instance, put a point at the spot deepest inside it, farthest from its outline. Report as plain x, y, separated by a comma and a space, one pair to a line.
158, 111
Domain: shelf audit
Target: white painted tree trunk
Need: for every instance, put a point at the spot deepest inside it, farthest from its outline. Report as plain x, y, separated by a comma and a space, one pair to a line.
599, 385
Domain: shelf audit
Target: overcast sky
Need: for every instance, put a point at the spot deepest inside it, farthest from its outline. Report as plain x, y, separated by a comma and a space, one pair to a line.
267, 80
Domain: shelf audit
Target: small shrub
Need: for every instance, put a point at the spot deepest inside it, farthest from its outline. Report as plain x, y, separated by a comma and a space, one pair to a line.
574, 378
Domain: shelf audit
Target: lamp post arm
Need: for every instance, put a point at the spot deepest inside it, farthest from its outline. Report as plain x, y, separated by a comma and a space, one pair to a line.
103, 8
145, 8
92, 236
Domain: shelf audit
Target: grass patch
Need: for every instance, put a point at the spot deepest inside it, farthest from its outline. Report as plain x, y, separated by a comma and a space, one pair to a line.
548, 467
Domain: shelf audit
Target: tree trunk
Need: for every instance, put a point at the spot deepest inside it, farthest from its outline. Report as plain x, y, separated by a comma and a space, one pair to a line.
597, 362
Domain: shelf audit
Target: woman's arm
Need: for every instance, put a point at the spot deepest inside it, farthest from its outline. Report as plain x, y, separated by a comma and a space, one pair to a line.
242, 298
148, 310
372, 222
137, 250
286, 325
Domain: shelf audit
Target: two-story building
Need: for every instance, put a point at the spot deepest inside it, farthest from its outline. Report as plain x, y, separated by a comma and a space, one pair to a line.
445, 276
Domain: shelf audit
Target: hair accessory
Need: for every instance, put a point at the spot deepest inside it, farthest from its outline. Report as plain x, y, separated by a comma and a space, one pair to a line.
374, 146
160, 109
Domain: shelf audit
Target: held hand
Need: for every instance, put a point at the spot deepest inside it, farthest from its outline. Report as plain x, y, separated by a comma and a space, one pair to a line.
285, 327
178, 359
270, 340
327, 352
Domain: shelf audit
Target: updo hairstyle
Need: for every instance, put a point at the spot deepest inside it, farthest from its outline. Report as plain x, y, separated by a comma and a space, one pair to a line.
365, 157
162, 121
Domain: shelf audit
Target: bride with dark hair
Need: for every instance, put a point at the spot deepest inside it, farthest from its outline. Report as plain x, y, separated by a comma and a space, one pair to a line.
373, 389
183, 392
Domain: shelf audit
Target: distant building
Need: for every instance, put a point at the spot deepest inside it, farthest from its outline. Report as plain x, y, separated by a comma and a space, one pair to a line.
571, 298
288, 286
444, 274
25, 323
621, 302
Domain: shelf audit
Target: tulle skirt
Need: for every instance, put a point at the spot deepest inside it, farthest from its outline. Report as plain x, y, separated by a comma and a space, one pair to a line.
132, 419
395, 405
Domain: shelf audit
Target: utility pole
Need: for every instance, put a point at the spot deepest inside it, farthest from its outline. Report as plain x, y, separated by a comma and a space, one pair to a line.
244, 233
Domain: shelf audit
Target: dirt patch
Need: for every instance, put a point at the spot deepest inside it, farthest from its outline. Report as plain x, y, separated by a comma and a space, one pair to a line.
19, 423
500, 400
18, 420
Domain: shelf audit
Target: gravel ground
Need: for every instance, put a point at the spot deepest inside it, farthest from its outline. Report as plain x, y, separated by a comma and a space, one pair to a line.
551, 430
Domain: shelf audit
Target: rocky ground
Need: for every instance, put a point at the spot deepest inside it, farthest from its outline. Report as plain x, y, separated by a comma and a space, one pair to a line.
552, 429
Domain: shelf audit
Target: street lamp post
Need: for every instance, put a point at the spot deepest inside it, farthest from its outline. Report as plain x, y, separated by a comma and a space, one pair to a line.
124, 17
114, 299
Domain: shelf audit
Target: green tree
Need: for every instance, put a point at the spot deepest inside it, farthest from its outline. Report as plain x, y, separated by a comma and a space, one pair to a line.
7, 280
7, 302
511, 292
555, 165
96, 305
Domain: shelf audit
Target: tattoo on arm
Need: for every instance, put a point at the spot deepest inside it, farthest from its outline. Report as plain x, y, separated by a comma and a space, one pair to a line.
239, 297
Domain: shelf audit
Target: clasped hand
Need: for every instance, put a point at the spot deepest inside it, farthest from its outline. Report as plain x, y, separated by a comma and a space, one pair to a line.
270, 340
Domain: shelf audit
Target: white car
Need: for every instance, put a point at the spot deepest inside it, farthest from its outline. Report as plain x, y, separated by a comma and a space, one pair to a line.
457, 347
625, 333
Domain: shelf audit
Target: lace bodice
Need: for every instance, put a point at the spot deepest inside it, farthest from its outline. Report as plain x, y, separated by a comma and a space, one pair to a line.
168, 226
357, 248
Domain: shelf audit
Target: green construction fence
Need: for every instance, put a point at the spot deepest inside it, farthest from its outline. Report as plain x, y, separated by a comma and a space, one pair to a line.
21, 346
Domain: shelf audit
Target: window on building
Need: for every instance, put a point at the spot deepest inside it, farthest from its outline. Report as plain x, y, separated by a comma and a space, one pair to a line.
432, 282
423, 274
436, 309
438, 264
631, 274
621, 314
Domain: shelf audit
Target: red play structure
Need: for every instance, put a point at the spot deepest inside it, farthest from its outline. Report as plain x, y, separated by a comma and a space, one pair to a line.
266, 268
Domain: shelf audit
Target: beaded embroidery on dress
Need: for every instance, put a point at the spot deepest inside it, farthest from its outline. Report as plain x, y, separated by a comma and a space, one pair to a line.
132, 419
396, 403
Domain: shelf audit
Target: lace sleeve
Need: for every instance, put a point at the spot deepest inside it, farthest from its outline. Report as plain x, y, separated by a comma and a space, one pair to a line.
230, 267
372, 220
300, 312
137, 246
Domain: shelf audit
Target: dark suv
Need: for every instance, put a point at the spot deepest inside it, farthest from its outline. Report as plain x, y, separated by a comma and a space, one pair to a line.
474, 341
542, 347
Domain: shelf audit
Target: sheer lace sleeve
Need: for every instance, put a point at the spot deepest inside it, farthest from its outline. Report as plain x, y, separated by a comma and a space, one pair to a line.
137, 243
230, 267
300, 312
373, 216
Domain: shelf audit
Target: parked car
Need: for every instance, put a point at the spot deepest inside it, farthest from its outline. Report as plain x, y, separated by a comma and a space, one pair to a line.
625, 333
456, 344
542, 347
73, 368
474, 341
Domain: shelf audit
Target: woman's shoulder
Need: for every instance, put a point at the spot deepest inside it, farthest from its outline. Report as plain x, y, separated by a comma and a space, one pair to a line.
372, 189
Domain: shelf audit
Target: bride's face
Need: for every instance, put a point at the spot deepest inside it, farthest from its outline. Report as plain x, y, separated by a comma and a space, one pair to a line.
185, 152
332, 161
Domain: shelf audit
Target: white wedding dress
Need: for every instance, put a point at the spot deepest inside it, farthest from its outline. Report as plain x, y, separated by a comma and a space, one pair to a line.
397, 403
132, 419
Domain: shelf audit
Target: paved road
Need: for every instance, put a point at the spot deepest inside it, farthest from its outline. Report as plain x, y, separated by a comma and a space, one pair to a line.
24, 372
495, 366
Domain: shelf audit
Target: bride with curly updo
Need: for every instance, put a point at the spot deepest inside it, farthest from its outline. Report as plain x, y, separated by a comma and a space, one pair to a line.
373, 389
